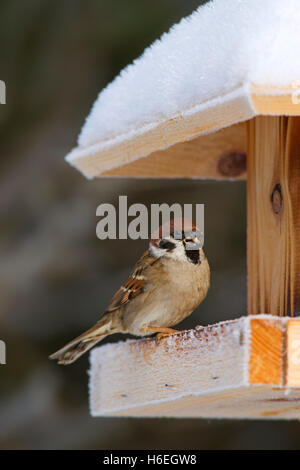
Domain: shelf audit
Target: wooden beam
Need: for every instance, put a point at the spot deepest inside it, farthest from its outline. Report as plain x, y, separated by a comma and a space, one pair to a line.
244, 368
142, 140
216, 156
173, 147
276, 101
273, 200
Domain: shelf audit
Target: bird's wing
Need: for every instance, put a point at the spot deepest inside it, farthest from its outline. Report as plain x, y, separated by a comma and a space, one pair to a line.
134, 284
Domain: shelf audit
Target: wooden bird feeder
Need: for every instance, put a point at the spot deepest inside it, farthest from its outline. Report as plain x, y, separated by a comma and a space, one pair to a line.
220, 87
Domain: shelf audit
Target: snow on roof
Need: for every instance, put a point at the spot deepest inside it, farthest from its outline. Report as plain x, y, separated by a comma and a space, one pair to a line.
210, 61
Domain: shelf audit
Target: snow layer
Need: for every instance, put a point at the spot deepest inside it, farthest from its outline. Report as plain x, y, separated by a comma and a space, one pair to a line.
222, 46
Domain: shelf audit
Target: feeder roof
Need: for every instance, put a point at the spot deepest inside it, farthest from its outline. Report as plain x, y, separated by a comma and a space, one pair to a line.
224, 64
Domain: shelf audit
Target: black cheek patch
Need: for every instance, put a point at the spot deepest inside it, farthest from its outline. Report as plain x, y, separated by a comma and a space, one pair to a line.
166, 245
193, 256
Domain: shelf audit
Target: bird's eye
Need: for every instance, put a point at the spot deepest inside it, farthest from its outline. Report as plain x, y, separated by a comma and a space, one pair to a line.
166, 245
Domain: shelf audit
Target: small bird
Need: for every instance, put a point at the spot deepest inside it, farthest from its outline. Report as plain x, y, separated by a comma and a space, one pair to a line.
167, 283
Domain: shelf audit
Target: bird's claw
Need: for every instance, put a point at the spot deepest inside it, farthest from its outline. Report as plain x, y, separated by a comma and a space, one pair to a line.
160, 336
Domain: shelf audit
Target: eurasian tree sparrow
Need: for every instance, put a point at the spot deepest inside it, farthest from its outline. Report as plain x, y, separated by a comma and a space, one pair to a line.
168, 282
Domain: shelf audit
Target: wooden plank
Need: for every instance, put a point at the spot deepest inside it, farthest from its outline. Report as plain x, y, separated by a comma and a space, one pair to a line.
173, 147
276, 101
129, 375
143, 140
216, 156
234, 369
256, 402
273, 201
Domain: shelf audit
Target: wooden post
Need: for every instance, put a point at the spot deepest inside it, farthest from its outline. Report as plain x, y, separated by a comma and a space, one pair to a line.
273, 200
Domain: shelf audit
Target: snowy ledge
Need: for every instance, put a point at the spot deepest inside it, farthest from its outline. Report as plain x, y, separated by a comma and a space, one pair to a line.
245, 368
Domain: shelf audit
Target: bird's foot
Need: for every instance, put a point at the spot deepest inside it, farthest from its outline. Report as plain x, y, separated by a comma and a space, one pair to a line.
160, 336
160, 332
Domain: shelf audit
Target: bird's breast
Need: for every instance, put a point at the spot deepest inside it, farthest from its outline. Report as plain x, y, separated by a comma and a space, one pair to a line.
171, 294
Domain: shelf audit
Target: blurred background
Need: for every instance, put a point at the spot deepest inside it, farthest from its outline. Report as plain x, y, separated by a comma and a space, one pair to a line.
56, 277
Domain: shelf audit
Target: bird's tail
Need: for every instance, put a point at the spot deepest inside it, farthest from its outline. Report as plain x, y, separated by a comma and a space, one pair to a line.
78, 346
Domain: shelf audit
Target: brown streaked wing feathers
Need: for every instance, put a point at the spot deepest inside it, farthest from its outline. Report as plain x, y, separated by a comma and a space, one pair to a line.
133, 286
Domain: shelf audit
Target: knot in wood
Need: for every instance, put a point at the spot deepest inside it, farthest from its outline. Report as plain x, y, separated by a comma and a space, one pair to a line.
276, 199
232, 164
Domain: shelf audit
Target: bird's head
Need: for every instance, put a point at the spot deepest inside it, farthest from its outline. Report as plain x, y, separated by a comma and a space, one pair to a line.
178, 239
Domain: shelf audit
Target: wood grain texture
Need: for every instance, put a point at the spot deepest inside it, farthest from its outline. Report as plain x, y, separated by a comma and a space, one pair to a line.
273, 201
233, 369
256, 402
266, 352
208, 156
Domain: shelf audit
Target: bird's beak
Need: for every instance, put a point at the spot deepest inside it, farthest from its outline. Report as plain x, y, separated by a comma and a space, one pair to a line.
192, 243
193, 240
